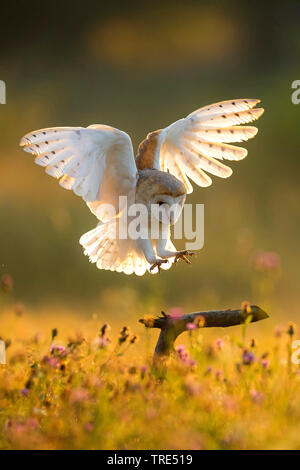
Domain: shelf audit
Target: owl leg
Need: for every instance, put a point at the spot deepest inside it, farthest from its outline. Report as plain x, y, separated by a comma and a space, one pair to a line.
147, 249
183, 255
165, 253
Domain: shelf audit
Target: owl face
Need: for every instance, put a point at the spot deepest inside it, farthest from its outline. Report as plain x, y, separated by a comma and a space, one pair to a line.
166, 209
162, 193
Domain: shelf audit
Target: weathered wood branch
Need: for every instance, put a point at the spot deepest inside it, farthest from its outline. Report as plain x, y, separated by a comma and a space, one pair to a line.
172, 326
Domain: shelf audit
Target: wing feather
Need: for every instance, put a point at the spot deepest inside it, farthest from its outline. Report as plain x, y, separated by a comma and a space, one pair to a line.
96, 162
195, 145
228, 106
228, 134
217, 150
225, 120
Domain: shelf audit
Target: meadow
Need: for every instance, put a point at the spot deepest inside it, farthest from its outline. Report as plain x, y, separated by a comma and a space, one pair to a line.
74, 384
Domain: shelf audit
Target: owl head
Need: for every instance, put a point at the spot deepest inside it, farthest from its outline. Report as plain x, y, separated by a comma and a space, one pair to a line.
162, 193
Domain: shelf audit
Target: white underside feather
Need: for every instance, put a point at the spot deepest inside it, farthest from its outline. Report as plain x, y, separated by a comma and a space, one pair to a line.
192, 146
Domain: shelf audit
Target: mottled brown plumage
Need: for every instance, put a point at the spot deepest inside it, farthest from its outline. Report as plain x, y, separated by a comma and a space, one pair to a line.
151, 182
147, 151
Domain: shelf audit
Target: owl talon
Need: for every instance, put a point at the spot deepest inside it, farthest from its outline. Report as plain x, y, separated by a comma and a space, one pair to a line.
157, 264
183, 255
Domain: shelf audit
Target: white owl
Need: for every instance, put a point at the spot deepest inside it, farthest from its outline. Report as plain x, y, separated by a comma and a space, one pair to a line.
98, 164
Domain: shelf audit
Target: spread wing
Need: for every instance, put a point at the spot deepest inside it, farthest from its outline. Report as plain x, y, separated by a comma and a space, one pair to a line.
195, 145
96, 162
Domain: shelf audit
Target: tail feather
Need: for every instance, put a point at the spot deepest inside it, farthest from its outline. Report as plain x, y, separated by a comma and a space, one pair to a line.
110, 253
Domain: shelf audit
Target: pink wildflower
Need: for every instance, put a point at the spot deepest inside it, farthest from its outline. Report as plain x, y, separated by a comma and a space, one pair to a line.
256, 396
192, 387
279, 329
144, 369
229, 403
219, 344
184, 356
175, 312
79, 395
51, 361
58, 350
89, 427
265, 363
6, 283
103, 342
180, 349
208, 371
266, 261
20, 428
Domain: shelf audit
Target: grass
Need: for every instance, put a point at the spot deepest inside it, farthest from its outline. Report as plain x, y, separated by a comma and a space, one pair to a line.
72, 383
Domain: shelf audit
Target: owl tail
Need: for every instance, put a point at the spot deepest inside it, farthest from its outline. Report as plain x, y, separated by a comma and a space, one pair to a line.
111, 253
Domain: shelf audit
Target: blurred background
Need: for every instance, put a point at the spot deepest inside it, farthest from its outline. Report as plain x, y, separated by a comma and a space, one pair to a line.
140, 67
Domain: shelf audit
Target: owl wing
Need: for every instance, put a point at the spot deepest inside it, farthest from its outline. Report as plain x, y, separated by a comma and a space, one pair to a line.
96, 163
194, 146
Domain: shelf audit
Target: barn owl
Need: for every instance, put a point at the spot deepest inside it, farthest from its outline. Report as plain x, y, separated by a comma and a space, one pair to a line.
98, 164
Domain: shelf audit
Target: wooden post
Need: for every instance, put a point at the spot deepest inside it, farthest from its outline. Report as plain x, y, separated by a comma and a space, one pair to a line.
172, 326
